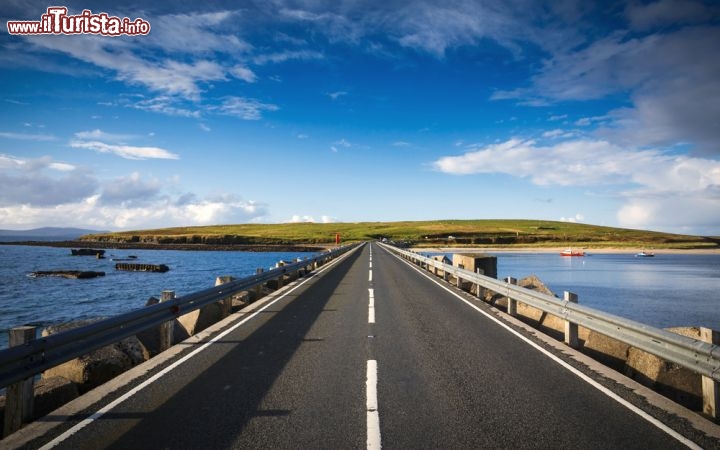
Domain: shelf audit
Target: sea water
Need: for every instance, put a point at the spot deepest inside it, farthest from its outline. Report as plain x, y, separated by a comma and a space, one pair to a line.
664, 291
42, 301
667, 290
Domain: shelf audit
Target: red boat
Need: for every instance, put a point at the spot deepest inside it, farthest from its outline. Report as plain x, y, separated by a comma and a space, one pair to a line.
571, 252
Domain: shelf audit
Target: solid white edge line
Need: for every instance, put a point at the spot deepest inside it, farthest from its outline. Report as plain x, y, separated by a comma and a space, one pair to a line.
682, 439
143, 385
373, 415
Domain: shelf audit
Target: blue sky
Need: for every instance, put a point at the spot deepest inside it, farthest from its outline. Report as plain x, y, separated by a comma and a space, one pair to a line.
343, 111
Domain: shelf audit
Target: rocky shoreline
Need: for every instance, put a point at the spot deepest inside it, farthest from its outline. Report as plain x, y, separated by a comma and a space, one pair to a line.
194, 247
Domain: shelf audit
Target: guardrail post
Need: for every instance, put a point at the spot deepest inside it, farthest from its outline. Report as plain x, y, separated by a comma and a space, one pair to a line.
226, 303
511, 303
20, 396
710, 387
571, 329
167, 329
480, 290
298, 260
458, 281
281, 278
258, 288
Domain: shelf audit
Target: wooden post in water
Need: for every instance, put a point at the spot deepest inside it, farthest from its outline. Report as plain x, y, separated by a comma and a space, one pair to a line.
226, 303
710, 387
167, 329
511, 303
571, 329
20, 396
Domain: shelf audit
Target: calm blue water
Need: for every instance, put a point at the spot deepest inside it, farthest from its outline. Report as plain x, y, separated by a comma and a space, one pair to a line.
48, 300
664, 291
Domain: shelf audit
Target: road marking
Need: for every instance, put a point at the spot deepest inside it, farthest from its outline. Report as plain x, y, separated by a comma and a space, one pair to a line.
370, 275
101, 412
373, 416
371, 306
682, 439
371, 264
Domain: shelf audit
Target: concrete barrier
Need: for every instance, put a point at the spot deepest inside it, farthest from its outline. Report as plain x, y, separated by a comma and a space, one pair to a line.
99, 366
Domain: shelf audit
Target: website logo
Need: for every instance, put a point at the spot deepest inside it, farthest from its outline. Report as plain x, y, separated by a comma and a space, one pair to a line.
57, 21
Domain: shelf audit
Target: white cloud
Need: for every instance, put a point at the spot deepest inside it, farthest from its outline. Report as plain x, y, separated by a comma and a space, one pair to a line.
98, 134
668, 78
243, 73
245, 108
553, 133
574, 219
128, 190
689, 212
343, 142
162, 75
401, 144
42, 182
46, 162
32, 195
297, 218
336, 95
125, 151
280, 57
436, 27
302, 136
204, 127
163, 212
659, 189
197, 33
165, 104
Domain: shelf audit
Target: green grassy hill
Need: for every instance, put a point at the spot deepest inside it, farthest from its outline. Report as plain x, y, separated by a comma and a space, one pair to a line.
420, 233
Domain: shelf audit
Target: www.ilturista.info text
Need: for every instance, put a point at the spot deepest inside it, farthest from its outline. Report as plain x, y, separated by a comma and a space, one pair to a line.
57, 21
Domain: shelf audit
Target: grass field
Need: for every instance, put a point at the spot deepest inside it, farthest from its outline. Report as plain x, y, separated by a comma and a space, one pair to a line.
525, 233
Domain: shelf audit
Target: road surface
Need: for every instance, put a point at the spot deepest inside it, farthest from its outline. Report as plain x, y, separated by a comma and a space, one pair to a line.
368, 353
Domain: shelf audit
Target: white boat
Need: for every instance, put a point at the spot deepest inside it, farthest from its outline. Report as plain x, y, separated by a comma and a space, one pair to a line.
644, 254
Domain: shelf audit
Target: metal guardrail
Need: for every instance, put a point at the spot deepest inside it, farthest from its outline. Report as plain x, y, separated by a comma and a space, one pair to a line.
698, 356
27, 360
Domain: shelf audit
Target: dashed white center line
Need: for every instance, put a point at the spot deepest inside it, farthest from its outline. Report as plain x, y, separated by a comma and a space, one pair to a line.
373, 416
370, 275
371, 307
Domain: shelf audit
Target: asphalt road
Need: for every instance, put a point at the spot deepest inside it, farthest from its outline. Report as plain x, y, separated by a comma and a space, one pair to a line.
296, 376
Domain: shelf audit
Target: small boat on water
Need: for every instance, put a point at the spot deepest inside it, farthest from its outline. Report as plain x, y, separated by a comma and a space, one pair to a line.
571, 252
644, 254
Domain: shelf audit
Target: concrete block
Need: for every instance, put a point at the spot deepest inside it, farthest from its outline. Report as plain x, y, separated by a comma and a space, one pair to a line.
99, 366
671, 380
52, 393
608, 351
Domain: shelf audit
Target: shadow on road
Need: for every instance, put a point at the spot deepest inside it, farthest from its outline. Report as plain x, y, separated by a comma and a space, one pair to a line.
212, 410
